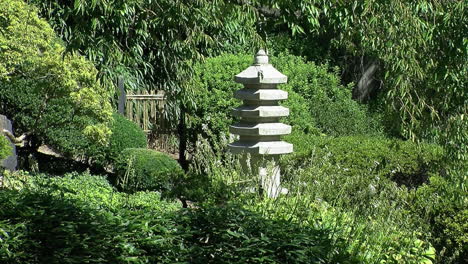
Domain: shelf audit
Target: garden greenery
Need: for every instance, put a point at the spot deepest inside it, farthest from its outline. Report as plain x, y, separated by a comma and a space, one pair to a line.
319, 104
97, 223
52, 95
140, 169
125, 134
151, 43
419, 46
5, 147
367, 181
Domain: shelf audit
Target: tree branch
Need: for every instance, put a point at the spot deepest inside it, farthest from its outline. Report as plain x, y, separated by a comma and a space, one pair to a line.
18, 141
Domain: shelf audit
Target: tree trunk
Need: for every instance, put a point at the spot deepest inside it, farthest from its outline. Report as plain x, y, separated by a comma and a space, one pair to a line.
182, 130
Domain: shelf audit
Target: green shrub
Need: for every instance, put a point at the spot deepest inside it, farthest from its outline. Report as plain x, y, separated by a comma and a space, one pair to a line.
405, 162
329, 102
145, 169
214, 176
5, 148
47, 92
369, 239
230, 234
442, 206
318, 102
369, 177
125, 134
80, 218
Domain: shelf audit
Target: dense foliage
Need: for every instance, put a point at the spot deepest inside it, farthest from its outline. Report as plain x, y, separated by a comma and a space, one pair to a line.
317, 101
328, 101
401, 161
419, 46
442, 206
125, 134
151, 42
51, 95
141, 169
380, 228
391, 181
52, 220
5, 148
361, 190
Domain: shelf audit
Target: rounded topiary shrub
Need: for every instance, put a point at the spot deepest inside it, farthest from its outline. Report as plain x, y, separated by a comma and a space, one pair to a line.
214, 88
125, 134
140, 169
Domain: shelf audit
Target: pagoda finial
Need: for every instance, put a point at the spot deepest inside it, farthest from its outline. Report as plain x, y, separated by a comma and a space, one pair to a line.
261, 57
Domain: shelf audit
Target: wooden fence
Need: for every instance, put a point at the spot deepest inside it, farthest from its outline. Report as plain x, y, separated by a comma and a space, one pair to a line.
146, 109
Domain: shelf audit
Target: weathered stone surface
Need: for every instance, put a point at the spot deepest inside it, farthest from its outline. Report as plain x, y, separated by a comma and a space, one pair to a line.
261, 111
261, 94
261, 72
261, 148
11, 161
261, 129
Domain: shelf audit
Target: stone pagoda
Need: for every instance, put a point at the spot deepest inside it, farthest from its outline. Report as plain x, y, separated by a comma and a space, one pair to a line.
259, 128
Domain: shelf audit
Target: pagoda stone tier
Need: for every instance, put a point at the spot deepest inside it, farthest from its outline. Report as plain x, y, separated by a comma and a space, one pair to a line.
259, 128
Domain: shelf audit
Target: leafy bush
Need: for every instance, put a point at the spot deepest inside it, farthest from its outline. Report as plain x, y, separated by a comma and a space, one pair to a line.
53, 220
125, 134
145, 169
214, 176
369, 239
363, 211
402, 161
359, 175
318, 102
5, 148
442, 206
234, 235
329, 102
49, 93
99, 157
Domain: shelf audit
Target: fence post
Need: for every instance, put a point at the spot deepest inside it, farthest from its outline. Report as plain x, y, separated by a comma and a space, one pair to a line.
122, 95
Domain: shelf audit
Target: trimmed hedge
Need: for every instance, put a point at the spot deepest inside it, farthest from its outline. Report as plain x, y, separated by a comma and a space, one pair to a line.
405, 162
125, 134
141, 169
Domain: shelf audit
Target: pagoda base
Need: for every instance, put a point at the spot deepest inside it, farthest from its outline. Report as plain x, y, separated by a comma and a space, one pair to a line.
269, 174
